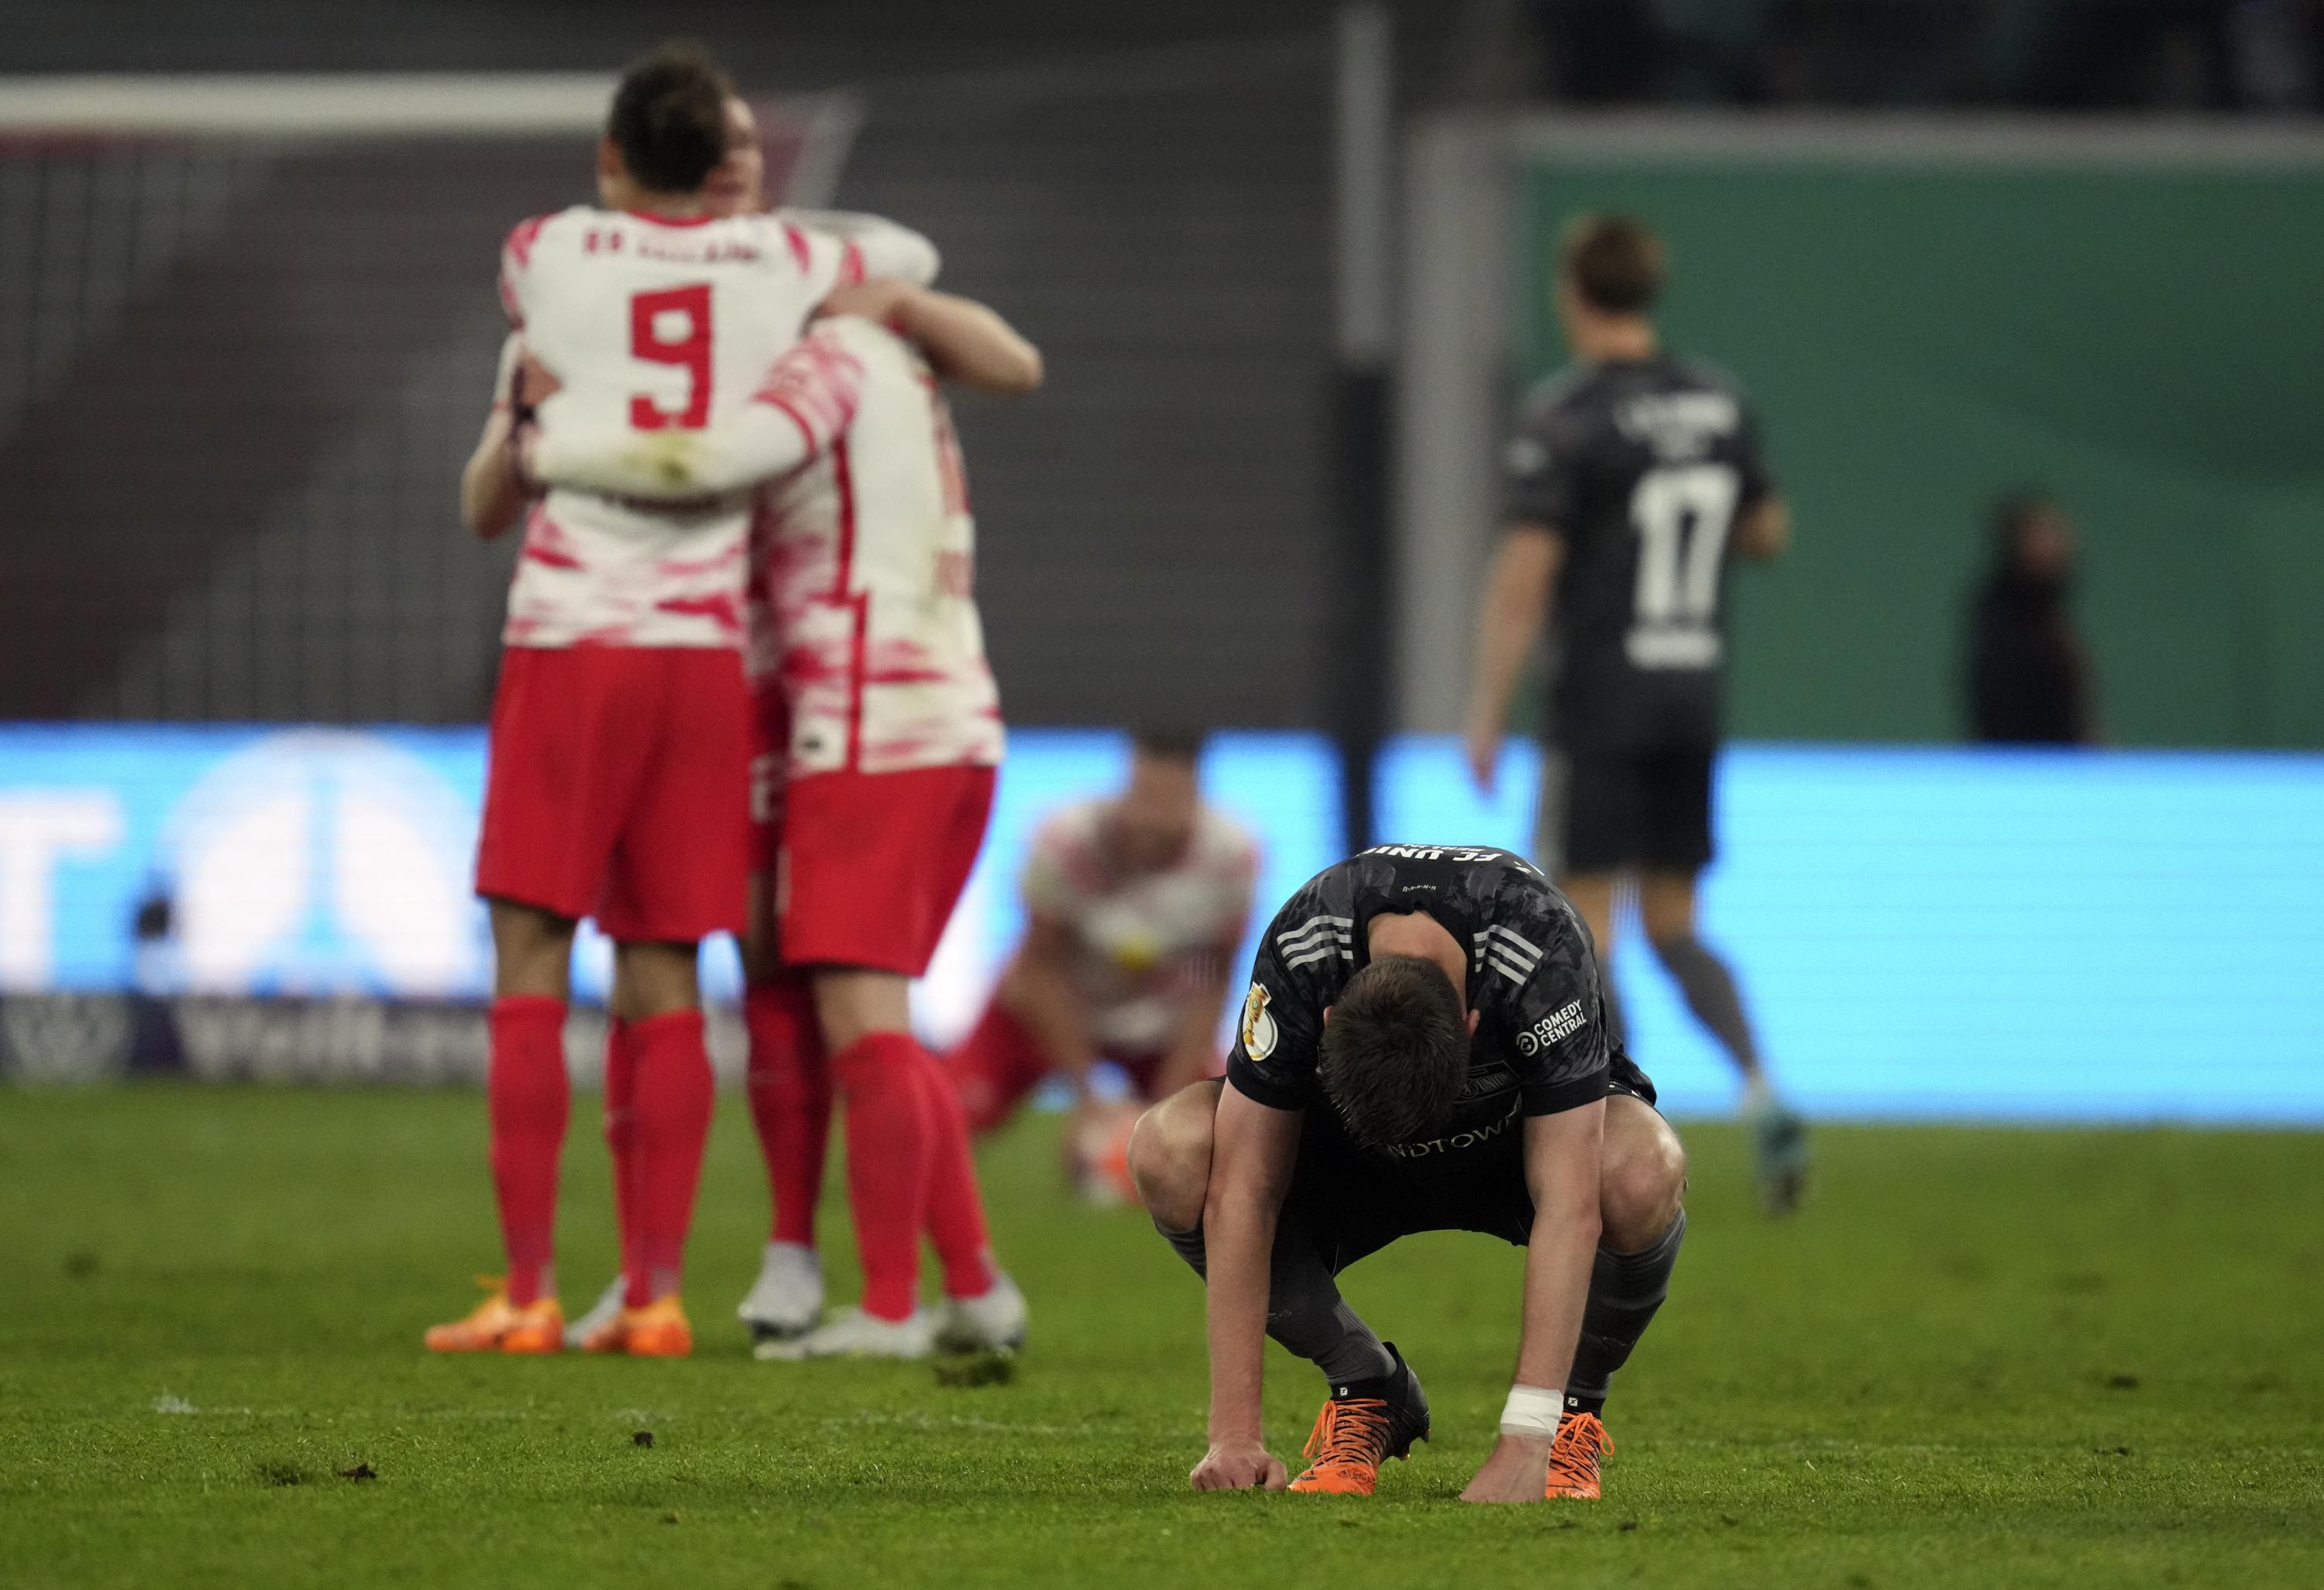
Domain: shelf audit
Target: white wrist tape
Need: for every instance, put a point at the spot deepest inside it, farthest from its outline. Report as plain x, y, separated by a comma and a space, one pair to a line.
1532, 1411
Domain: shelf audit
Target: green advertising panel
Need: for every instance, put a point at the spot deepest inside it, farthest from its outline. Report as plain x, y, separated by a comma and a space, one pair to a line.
1920, 338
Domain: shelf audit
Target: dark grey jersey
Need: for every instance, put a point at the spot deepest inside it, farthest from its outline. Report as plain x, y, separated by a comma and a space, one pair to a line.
1541, 1044
1643, 467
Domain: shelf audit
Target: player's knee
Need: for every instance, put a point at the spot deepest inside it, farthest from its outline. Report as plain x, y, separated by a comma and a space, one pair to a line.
1170, 1156
1642, 1190
852, 1003
652, 979
1667, 916
532, 950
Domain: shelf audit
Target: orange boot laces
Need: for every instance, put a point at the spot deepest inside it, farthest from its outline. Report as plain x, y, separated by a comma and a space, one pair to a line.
1574, 1456
1349, 1436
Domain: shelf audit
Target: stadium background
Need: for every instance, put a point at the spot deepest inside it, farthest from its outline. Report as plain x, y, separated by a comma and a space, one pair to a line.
245, 329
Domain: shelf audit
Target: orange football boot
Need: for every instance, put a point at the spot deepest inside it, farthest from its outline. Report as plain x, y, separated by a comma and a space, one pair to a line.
657, 1331
1573, 1458
1362, 1425
499, 1326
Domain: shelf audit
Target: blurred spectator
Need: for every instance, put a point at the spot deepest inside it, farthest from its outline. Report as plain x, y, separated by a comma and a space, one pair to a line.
2029, 677
156, 1048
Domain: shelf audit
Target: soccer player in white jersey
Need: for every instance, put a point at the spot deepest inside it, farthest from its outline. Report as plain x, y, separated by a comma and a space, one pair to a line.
1135, 905
617, 786
880, 731
879, 736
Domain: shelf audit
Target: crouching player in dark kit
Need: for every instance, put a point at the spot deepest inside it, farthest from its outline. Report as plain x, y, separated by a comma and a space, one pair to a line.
1424, 1049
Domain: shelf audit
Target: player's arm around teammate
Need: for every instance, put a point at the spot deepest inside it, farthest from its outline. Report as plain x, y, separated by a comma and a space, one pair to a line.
1563, 1157
493, 491
965, 341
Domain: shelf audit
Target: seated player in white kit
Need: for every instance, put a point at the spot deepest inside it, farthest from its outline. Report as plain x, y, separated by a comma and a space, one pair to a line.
1135, 905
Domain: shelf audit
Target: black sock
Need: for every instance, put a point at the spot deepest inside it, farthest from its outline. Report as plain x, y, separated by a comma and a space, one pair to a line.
1710, 993
1625, 1291
1305, 1310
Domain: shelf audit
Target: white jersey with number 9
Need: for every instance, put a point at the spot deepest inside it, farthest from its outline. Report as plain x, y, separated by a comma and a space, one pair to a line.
657, 327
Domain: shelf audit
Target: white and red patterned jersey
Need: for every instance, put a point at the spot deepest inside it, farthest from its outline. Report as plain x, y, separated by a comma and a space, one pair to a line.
862, 573
1141, 940
655, 329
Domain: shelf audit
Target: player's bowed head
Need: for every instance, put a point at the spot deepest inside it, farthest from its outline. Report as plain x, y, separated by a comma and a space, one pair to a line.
1395, 1051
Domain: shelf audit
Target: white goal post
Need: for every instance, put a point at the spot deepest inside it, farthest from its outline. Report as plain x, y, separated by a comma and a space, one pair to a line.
390, 106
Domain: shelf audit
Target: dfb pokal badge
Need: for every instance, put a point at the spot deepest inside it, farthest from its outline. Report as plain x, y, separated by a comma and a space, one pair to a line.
1257, 1025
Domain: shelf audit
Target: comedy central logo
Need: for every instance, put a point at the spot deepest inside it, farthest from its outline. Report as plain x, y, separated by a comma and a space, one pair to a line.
1257, 1025
320, 861
1553, 1028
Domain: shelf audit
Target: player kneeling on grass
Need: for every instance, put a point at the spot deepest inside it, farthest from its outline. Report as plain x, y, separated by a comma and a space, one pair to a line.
1134, 905
1424, 1049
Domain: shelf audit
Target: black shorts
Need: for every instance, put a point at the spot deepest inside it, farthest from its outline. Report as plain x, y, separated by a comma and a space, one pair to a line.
1350, 1202
1605, 808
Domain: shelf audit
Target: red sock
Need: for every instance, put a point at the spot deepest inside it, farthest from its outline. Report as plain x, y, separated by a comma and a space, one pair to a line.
889, 1165
672, 1116
995, 1067
621, 1136
956, 1215
790, 1100
528, 1099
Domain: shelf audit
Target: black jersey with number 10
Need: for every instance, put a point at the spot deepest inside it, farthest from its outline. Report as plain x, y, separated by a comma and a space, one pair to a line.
1644, 468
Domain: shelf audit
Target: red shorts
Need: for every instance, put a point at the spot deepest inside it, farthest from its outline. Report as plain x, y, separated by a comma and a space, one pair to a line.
871, 864
619, 789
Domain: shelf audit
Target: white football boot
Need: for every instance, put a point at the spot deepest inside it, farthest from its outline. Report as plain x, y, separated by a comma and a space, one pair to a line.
788, 1298
993, 1321
601, 1313
851, 1333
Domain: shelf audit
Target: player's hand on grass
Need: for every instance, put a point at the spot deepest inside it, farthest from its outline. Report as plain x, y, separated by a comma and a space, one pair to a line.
1518, 1471
1240, 1466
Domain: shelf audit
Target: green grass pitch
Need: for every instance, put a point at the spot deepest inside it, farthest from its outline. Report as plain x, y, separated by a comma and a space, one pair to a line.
1979, 1358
